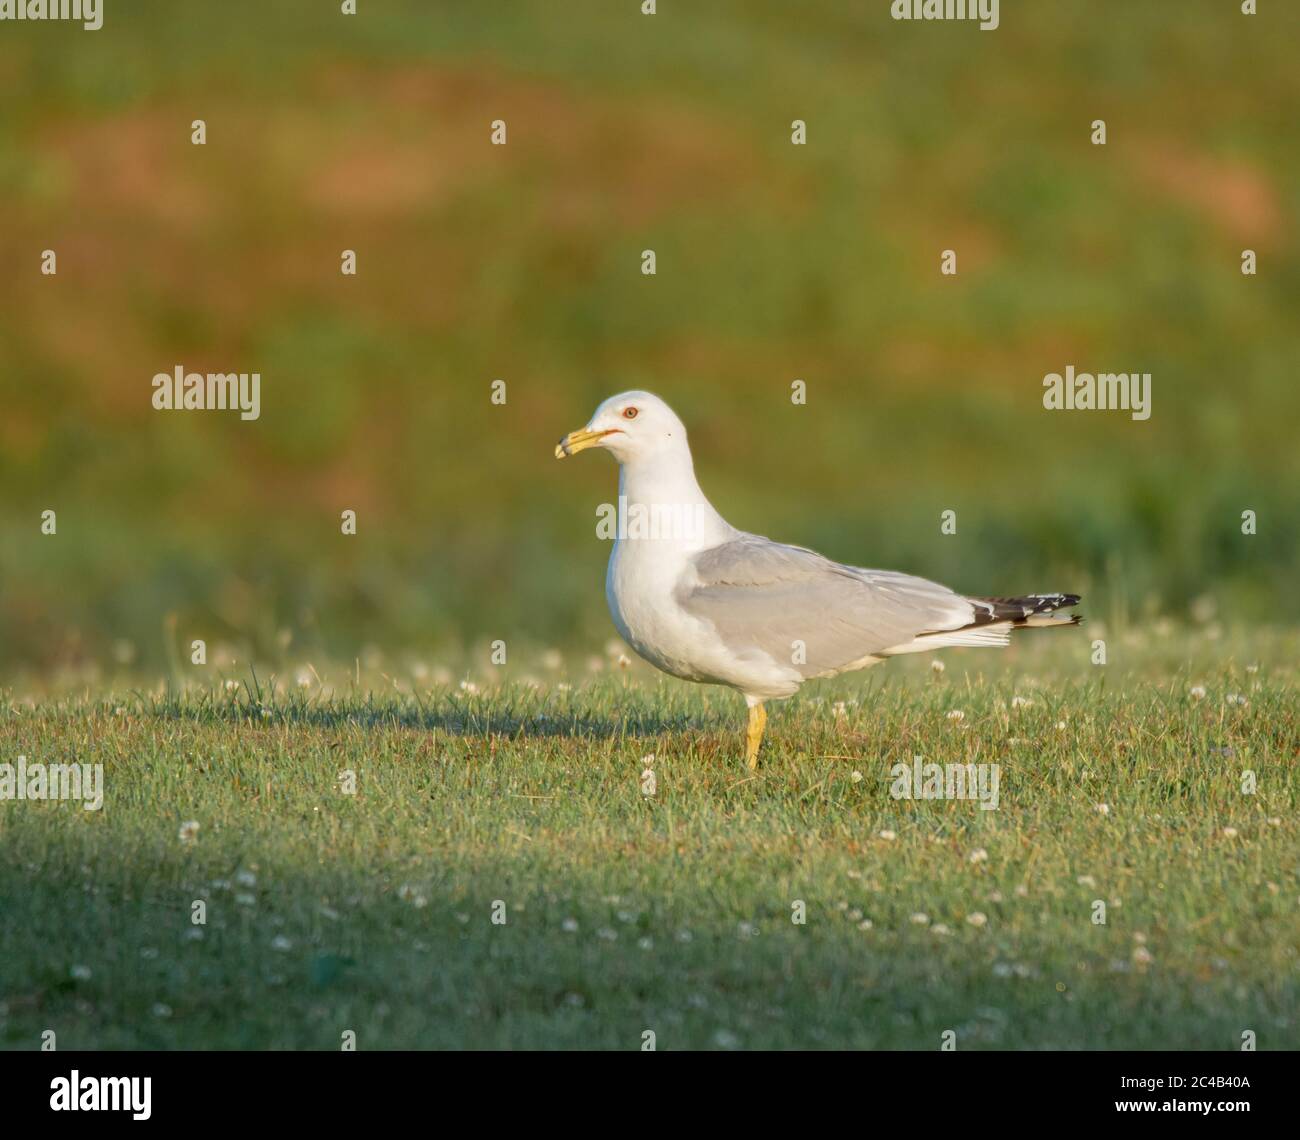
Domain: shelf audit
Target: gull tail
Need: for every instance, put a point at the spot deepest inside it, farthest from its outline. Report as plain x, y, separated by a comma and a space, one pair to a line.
995, 619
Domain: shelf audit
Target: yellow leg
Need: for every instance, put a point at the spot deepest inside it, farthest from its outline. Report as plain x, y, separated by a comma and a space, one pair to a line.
754, 733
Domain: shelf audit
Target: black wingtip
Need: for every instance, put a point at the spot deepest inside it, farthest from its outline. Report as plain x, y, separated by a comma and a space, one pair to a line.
1022, 606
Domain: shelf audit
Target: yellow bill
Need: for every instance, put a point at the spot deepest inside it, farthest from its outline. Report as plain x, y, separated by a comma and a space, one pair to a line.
577, 441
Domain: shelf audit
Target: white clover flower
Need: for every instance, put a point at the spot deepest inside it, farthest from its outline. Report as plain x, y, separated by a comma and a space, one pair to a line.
1060, 726
1142, 956
956, 714
920, 918
1086, 881
407, 893
1104, 809
979, 855
866, 924
977, 918
469, 688
854, 915
937, 666
281, 943
569, 926
888, 836
940, 930
1021, 702
855, 776
1236, 699
189, 831
245, 877
1229, 833
1197, 692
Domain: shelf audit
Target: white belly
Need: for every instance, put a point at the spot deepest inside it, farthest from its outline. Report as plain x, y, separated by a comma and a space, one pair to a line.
640, 587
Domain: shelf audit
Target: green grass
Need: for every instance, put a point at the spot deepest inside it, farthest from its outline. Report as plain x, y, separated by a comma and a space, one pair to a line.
671, 912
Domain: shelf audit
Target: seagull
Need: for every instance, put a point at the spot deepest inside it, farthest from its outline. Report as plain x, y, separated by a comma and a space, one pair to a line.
706, 602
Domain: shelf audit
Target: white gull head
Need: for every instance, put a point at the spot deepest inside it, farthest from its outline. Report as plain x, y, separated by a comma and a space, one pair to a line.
633, 427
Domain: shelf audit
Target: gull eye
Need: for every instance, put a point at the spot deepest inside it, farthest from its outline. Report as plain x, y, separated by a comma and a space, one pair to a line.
629, 413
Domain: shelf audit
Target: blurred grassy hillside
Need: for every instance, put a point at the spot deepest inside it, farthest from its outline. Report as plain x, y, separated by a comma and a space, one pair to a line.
522, 263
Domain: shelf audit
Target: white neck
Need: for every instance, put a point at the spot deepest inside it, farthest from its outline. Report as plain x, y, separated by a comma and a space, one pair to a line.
666, 478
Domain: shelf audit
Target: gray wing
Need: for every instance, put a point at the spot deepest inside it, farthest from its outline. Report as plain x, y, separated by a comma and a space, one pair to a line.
762, 595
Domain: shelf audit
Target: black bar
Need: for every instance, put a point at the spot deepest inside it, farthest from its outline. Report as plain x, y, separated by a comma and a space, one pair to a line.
335, 1089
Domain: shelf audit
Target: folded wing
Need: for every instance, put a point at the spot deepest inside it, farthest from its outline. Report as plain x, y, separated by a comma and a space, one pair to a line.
795, 606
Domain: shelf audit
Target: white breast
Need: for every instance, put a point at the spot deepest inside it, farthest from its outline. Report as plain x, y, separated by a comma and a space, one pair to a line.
641, 585
646, 573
